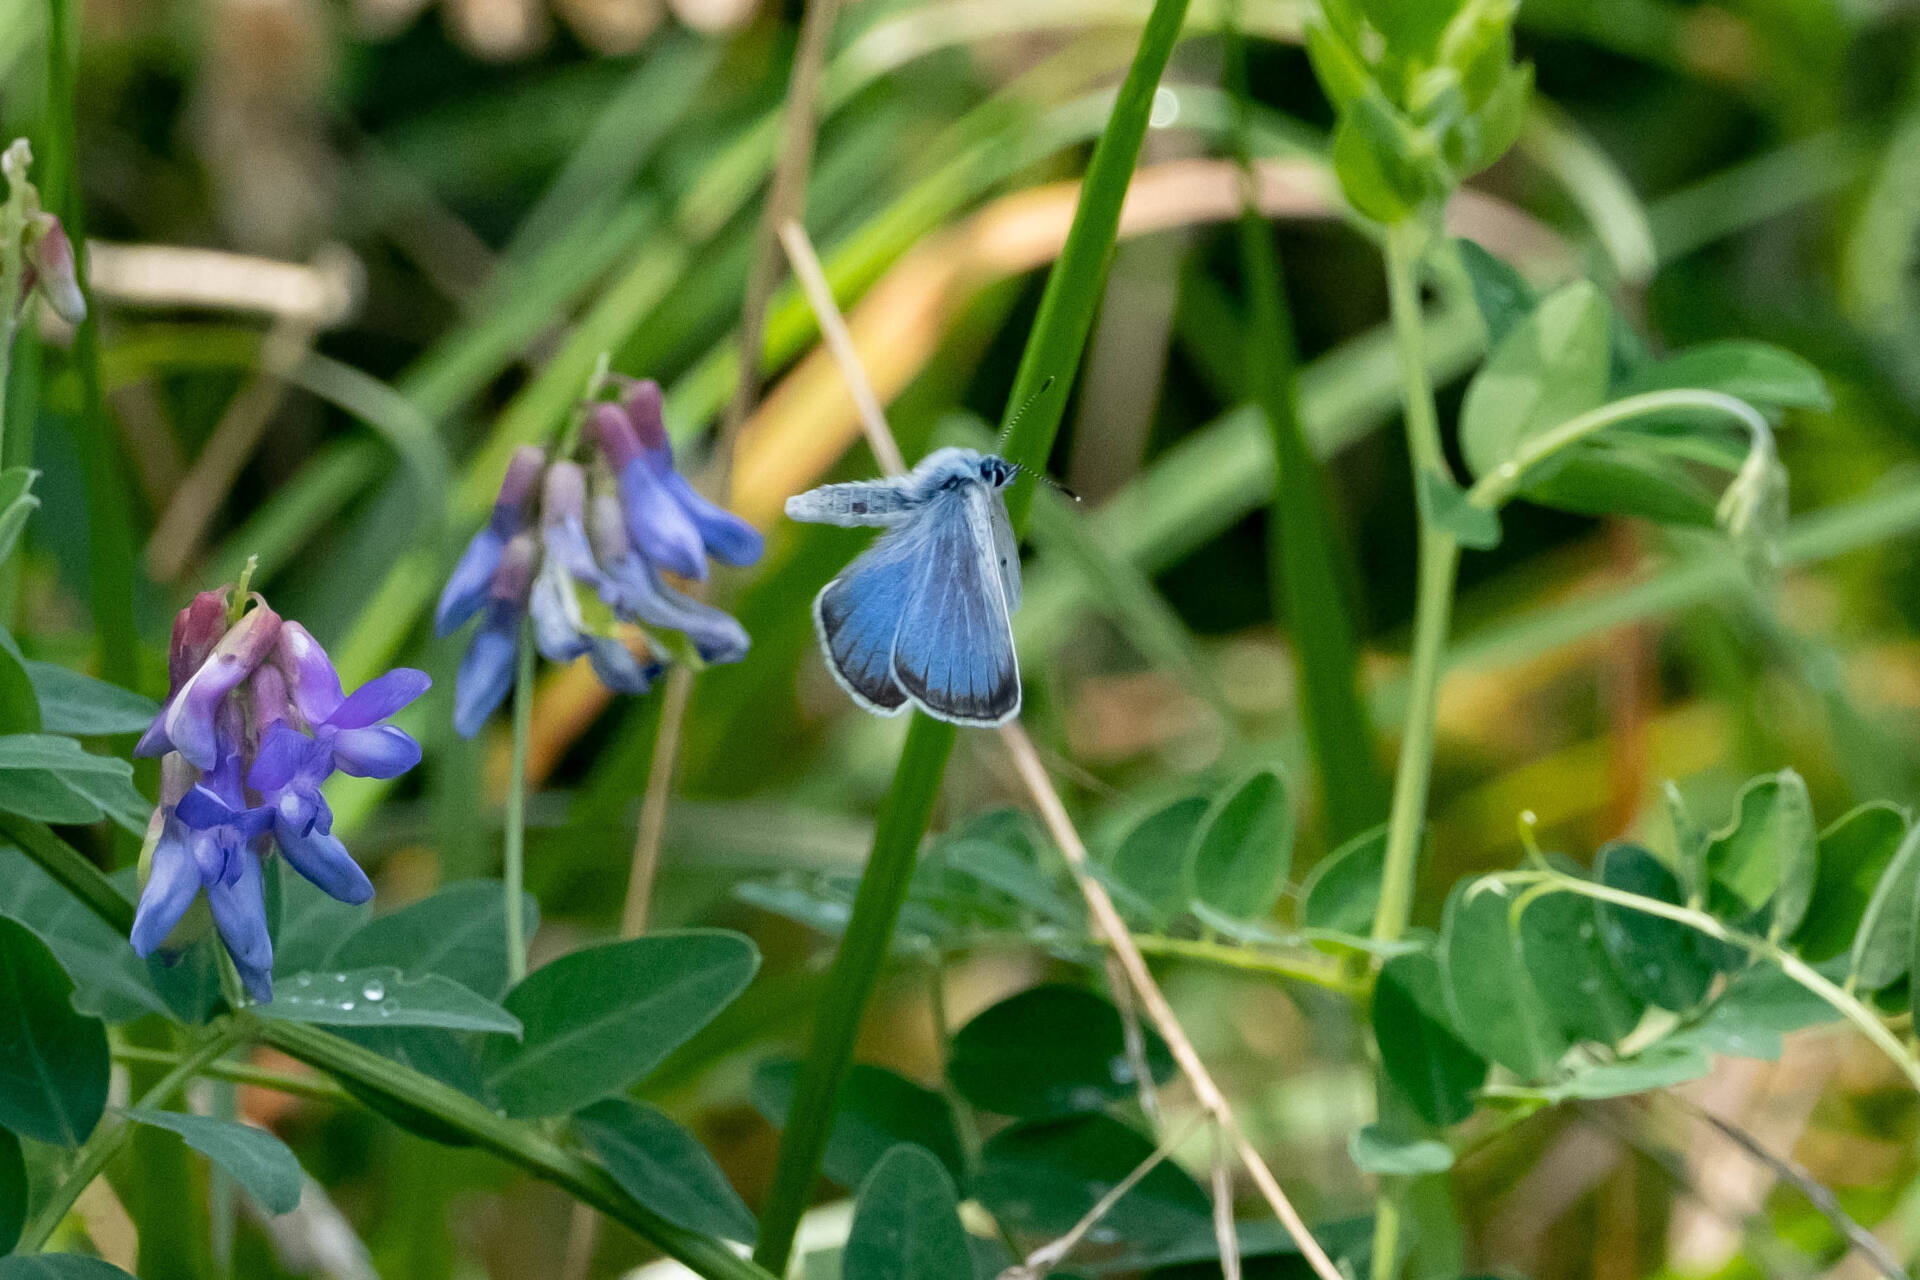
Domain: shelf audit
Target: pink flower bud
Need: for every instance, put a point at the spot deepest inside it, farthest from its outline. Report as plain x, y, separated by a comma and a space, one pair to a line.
196, 629
50, 256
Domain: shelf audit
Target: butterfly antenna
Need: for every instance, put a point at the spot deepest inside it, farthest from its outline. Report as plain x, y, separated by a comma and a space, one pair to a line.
1045, 479
1007, 432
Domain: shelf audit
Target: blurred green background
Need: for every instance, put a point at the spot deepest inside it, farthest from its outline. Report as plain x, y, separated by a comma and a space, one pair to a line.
428, 220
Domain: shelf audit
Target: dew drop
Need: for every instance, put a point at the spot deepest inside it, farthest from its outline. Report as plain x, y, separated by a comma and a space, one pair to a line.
339, 977
304, 980
374, 990
386, 1011
346, 1006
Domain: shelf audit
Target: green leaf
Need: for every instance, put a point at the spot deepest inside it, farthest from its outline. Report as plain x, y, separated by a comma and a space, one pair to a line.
1768, 853
308, 925
53, 779
1489, 992
1552, 367
1761, 374
1623, 478
53, 1061
382, 996
663, 1167
1501, 295
1244, 847
71, 702
1750, 1016
1040, 1177
1049, 1051
1446, 505
1660, 1067
1374, 1152
17, 504
1661, 961
460, 933
59, 1266
1854, 853
1343, 889
1420, 1051
906, 1223
1883, 948
1151, 859
19, 705
13, 1191
1372, 156
601, 1018
257, 1160
876, 1111
1412, 27
110, 982
1573, 971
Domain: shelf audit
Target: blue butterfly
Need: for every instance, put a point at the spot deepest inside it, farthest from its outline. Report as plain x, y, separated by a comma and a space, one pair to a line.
924, 616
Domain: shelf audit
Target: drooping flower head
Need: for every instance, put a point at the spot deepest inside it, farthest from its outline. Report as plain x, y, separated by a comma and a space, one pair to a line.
254, 723
612, 525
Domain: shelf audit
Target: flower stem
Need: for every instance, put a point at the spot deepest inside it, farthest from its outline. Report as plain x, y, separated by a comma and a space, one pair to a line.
112, 1137
514, 873
1439, 560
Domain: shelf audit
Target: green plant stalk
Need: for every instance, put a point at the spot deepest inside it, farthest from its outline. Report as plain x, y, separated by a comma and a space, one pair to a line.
518, 1142
313, 1088
110, 551
902, 822
109, 1141
1053, 352
514, 858
1305, 553
66, 864
1439, 560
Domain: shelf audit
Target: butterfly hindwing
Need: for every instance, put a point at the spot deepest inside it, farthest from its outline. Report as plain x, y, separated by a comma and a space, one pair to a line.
886, 503
858, 615
953, 653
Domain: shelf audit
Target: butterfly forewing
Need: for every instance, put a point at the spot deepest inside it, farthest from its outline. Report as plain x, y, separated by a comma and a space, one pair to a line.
954, 651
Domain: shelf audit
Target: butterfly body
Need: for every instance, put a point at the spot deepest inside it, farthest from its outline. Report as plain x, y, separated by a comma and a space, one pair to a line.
924, 616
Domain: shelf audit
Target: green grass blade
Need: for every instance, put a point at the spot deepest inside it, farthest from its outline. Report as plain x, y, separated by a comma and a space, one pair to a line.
1306, 556
110, 549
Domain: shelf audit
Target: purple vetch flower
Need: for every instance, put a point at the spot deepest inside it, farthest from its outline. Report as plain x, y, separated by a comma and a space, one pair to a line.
634, 590
255, 723
469, 585
206, 840
613, 529
487, 671
662, 509
51, 268
186, 723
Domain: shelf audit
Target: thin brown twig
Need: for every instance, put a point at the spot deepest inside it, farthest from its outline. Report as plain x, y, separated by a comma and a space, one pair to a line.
1107, 921
653, 806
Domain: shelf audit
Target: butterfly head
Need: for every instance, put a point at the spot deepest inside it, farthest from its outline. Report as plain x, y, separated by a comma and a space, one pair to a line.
997, 471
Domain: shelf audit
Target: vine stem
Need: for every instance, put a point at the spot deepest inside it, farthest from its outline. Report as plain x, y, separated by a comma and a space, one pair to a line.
515, 856
107, 1143
1109, 925
1498, 485
1438, 554
1439, 561
1836, 997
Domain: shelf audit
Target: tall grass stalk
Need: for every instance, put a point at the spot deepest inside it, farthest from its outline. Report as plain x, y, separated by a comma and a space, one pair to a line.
1053, 351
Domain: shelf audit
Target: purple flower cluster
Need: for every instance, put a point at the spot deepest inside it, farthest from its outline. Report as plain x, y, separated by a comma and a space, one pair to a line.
255, 721
612, 526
